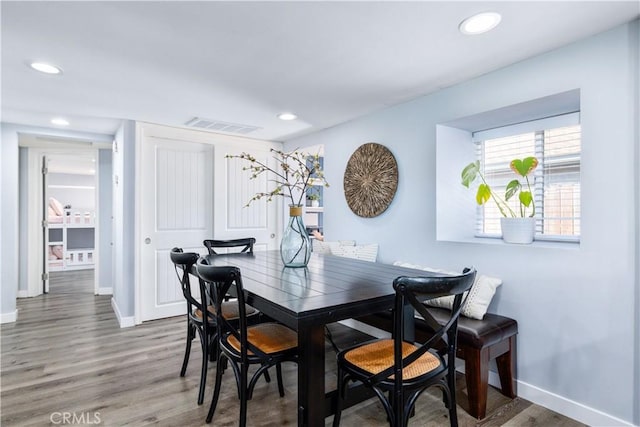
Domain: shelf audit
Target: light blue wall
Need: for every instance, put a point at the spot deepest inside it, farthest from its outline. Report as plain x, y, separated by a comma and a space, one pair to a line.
23, 171
105, 196
9, 225
574, 306
635, 111
124, 220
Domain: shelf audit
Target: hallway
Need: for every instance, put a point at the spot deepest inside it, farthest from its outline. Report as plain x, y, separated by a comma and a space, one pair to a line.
72, 282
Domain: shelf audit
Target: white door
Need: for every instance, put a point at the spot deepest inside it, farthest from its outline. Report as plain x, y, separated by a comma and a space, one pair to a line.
234, 188
176, 208
190, 191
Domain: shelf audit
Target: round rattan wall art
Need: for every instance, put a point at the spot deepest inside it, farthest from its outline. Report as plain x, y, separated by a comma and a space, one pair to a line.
370, 180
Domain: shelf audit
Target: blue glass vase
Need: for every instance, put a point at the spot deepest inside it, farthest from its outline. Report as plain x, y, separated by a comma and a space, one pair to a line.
295, 247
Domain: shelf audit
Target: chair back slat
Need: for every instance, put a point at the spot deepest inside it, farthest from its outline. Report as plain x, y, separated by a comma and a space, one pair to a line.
182, 263
244, 245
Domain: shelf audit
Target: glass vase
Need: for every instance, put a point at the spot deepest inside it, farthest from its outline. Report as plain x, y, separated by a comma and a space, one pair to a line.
295, 247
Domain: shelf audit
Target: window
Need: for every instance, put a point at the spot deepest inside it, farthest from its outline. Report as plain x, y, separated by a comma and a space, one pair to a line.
556, 181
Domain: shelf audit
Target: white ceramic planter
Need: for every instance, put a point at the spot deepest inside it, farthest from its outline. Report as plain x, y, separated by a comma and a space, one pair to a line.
518, 230
315, 203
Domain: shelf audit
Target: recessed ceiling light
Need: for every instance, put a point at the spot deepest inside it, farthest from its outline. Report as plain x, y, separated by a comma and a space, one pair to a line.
287, 116
480, 23
45, 68
60, 122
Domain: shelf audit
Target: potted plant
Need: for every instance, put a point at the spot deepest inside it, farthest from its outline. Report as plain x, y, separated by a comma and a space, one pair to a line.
518, 224
295, 173
315, 199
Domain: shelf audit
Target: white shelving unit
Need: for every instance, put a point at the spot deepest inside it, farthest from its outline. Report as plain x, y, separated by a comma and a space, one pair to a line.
313, 216
72, 241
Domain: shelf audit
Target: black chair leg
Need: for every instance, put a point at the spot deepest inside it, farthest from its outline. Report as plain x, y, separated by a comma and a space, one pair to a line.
279, 375
254, 380
216, 390
203, 373
244, 374
187, 350
213, 348
267, 377
453, 410
339, 396
451, 383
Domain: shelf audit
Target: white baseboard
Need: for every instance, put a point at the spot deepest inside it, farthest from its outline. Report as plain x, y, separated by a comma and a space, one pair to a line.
105, 291
9, 317
125, 322
568, 407
22, 293
544, 398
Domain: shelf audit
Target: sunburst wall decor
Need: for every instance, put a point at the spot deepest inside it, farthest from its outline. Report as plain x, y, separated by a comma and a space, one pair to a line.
370, 180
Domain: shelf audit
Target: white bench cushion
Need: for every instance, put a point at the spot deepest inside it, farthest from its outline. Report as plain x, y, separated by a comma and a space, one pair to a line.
364, 252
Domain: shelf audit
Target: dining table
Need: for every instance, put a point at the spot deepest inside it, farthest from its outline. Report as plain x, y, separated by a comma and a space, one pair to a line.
329, 289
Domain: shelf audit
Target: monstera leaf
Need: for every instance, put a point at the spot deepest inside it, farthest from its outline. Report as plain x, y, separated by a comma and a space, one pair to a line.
512, 188
484, 194
470, 172
523, 167
525, 198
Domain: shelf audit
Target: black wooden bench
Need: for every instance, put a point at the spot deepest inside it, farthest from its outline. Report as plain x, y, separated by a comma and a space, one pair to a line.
479, 342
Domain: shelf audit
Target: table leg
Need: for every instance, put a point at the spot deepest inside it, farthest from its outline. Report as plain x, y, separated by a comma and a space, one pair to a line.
311, 396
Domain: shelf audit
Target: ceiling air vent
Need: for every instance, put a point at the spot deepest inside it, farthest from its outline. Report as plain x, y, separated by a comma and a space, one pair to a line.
219, 126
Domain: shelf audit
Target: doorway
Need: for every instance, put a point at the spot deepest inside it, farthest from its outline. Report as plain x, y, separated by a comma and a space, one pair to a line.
69, 194
77, 239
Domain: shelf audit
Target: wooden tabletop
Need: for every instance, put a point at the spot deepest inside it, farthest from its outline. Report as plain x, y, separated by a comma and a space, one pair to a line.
330, 288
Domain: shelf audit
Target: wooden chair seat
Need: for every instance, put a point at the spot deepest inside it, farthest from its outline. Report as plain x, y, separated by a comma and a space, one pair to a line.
377, 356
268, 337
229, 311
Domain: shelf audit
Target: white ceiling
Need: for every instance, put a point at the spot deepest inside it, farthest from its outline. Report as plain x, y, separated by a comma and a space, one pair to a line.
245, 62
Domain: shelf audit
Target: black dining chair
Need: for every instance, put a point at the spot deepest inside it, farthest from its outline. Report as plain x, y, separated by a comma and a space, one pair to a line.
264, 344
405, 369
244, 245
199, 319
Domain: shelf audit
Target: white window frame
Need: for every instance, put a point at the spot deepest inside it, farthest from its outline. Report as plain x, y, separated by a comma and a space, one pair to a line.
538, 127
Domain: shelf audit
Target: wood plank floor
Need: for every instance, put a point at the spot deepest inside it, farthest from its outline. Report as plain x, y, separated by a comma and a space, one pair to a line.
66, 353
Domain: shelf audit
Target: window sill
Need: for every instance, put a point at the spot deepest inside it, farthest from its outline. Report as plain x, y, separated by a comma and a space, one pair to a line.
496, 241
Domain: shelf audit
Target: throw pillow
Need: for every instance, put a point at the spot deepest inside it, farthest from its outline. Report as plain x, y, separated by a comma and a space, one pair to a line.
478, 300
364, 252
322, 247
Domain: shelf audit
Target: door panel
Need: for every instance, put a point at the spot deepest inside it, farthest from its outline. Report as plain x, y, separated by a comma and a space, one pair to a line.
234, 189
177, 211
241, 190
